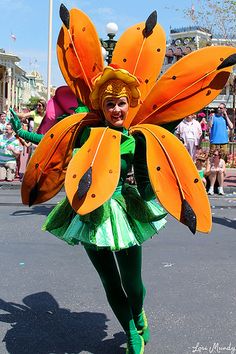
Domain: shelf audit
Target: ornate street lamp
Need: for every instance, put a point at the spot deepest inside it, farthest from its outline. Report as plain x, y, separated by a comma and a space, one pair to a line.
110, 43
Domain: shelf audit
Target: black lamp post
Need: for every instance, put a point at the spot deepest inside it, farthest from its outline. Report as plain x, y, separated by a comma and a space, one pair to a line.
110, 43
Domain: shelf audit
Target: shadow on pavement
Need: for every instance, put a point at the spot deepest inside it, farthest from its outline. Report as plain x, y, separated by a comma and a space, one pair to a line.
35, 210
225, 222
40, 326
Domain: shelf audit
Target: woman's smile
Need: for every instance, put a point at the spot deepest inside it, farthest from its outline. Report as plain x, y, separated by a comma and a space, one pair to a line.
115, 110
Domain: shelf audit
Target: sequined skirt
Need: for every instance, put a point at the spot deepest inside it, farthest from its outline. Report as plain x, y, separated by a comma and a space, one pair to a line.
125, 220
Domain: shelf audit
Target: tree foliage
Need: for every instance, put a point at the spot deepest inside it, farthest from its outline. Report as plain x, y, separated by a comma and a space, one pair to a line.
218, 16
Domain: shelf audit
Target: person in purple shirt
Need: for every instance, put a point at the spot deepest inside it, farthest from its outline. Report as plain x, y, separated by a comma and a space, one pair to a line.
219, 124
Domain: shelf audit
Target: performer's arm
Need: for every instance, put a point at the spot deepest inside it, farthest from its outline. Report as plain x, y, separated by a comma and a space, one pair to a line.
16, 125
140, 169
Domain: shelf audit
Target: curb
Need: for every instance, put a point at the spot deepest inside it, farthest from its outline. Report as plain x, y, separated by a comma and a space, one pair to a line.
17, 186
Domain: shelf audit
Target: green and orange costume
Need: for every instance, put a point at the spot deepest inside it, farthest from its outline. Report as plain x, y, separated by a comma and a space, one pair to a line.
100, 210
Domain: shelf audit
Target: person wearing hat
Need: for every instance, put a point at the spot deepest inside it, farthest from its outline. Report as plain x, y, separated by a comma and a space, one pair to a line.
122, 129
122, 229
201, 158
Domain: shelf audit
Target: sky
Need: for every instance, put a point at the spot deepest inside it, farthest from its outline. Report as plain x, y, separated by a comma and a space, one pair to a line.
24, 25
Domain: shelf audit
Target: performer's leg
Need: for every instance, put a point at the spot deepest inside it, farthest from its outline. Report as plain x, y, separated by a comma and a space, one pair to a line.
104, 263
130, 265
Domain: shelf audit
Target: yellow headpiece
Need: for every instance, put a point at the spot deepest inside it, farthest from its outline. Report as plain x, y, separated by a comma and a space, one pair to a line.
114, 83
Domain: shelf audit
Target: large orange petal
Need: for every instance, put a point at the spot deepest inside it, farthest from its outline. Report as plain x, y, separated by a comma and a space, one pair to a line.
81, 61
189, 85
173, 175
101, 152
141, 56
45, 173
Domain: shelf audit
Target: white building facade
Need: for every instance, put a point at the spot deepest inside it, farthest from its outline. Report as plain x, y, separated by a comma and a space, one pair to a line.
16, 86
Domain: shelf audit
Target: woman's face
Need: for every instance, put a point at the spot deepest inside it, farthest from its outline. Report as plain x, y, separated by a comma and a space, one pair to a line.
115, 110
40, 107
216, 155
190, 117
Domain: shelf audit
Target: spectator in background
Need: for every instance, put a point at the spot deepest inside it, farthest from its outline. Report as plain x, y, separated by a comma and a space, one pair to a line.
3, 122
201, 158
9, 152
189, 132
216, 171
25, 153
204, 126
219, 123
35, 117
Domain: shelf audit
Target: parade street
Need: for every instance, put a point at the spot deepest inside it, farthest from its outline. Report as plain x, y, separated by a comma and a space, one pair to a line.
51, 299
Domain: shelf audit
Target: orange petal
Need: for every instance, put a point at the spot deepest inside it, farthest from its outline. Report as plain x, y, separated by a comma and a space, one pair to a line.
173, 175
142, 57
45, 173
189, 85
101, 152
77, 66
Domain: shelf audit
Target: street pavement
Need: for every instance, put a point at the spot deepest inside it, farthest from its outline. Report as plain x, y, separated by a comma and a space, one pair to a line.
52, 302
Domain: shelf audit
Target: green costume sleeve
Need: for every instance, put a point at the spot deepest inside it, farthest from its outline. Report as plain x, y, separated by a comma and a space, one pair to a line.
140, 169
24, 134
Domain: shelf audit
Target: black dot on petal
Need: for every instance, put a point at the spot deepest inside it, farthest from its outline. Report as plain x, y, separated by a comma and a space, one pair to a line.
158, 50
174, 77
154, 106
196, 180
158, 168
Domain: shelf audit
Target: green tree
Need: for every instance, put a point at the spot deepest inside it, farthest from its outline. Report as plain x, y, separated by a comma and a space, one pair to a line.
218, 16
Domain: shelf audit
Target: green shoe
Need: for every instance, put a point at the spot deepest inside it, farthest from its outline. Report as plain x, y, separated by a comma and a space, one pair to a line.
142, 326
135, 345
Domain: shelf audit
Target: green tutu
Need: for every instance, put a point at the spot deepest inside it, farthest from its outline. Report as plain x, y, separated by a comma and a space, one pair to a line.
125, 220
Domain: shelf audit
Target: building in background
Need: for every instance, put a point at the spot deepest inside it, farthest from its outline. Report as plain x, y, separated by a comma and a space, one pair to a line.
17, 86
185, 40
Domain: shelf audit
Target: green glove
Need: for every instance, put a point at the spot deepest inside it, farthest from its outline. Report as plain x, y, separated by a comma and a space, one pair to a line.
24, 134
15, 121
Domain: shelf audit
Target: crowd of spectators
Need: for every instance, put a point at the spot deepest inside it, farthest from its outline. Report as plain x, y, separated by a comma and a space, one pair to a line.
15, 152
10, 150
196, 128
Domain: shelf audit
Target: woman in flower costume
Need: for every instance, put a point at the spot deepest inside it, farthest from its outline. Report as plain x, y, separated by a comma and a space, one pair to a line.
125, 126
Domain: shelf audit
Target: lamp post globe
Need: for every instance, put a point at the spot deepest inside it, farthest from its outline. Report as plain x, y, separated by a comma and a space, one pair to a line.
111, 29
110, 43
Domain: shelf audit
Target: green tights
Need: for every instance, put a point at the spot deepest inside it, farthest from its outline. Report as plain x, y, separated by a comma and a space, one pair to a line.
120, 273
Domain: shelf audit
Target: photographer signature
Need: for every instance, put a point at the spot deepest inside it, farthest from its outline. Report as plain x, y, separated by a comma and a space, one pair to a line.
215, 348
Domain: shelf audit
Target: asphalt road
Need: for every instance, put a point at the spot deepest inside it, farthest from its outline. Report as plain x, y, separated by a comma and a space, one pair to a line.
51, 300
